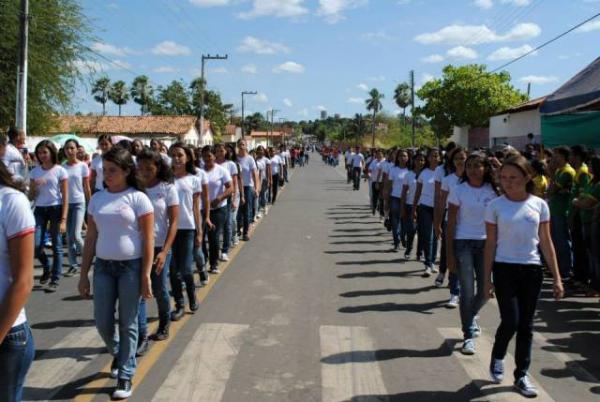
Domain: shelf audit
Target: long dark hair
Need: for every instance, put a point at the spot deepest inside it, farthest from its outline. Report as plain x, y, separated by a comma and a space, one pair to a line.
397, 158
51, 148
189, 154
164, 172
488, 173
123, 159
429, 152
449, 166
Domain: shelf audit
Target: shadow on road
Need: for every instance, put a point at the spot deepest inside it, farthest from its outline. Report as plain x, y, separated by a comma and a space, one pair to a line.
378, 274
368, 356
63, 324
422, 308
386, 292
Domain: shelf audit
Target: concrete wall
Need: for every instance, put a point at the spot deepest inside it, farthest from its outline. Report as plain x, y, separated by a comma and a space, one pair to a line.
512, 128
460, 136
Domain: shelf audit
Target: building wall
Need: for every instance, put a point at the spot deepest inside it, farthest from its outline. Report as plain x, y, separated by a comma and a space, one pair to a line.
512, 128
460, 135
479, 137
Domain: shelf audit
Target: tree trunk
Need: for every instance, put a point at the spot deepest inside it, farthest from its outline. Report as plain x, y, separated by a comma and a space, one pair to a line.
373, 130
103, 108
404, 116
119, 110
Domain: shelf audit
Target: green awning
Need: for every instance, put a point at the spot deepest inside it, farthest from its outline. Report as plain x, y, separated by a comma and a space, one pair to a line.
571, 129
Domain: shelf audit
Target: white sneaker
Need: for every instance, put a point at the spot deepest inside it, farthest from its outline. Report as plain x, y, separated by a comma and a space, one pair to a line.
439, 280
205, 281
236, 241
258, 216
224, 257
123, 390
434, 269
453, 302
427, 272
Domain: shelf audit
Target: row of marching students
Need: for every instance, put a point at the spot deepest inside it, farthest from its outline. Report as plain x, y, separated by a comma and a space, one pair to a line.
151, 217
495, 238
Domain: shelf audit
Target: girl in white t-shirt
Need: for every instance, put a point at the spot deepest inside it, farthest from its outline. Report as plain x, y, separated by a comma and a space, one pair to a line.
79, 195
517, 227
223, 158
120, 235
17, 228
409, 187
157, 179
396, 175
97, 178
465, 238
264, 167
49, 188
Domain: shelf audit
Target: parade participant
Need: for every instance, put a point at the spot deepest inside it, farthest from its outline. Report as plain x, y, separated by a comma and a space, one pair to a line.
79, 194
465, 237
358, 165
49, 188
12, 156
264, 168
17, 228
157, 180
120, 235
276, 167
250, 187
348, 156
517, 227
375, 184
97, 178
233, 203
409, 188
396, 176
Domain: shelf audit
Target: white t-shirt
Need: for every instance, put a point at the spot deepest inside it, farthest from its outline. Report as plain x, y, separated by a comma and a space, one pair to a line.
248, 167
440, 173
374, 168
47, 185
16, 220
262, 164
78, 172
201, 173
96, 166
517, 226
472, 202
283, 157
357, 160
162, 196
14, 162
117, 218
187, 186
427, 179
349, 155
448, 183
410, 180
231, 167
397, 175
275, 164
218, 176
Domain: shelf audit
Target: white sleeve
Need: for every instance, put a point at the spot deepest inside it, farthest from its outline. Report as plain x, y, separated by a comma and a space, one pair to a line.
544, 212
142, 205
453, 196
172, 196
17, 216
490, 214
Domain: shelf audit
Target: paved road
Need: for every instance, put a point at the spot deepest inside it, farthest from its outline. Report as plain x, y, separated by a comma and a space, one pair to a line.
315, 308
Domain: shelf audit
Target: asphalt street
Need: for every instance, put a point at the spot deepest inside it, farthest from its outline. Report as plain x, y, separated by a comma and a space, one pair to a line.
315, 307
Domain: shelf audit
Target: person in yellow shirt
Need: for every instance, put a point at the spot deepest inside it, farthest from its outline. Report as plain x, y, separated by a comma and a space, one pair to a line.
580, 182
540, 180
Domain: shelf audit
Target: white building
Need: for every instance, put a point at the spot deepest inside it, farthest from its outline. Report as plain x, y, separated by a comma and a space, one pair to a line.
512, 126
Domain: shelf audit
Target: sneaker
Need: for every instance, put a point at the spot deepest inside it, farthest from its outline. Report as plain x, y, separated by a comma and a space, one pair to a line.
524, 386
434, 269
143, 346
45, 278
114, 368
427, 272
214, 270
476, 329
123, 390
224, 257
439, 280
205, 281
236, 241
497, 370
453, 302
246, 238
72, 271
161, 334
177, 313
258, 216
53, 287
406, 256
468, 347
418, 257
194, 306
396, 248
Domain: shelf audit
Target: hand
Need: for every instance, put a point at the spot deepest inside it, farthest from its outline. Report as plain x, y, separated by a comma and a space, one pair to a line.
63, 226
84, 287
451, 265
210, 225
255, 192
215, 203
242, 201
437, 231
558, 290
235, 205
198, 240
159, 262
488, 290
146, 287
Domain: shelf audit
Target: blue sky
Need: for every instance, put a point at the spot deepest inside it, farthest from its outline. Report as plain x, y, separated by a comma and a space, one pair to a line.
306, 55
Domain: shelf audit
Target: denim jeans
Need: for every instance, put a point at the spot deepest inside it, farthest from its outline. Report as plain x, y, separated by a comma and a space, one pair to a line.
425, 219
161, 294
356, 172
377, 199
74, 224
227, 227
16, 354
45, 216
453, 280
517, 291
469, 264
181, 266
275, 179
559, 229
118, 281
217, 217
409, 228
395, 216
233, 217
245, 211
263, 194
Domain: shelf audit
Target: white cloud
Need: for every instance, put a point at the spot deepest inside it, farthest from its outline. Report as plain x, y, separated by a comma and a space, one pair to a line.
509, 53
487, 4
539, 79
250, 44
89, 66
261, 98
303, 112
276, 8
518, 3
477, 34
433, 58
426, 77
112, 50
211, 3
589, 27
356, 100
288, 102
484, 4
289, 67
165, 69
363, 87
462, 53
249, 69
321, 107
170, 48
331, 10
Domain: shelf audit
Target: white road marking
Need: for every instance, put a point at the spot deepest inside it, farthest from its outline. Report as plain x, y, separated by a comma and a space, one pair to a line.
349, 368
477, 368
202, 371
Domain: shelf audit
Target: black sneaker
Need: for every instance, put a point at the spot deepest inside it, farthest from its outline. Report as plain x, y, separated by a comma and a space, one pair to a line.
194, 306
143, 346
114, 368
72, 271
214, 270
161, 334
123, 390
53, 287
45, 278
246, 238
177, 313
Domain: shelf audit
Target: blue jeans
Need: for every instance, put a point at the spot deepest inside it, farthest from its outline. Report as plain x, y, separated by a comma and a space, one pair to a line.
425, 222
181, 266
45, 216
245, 213
74, 224
161, 294
356, 173
118, 281
227, 226
469, 264
409, 228
559, 228
16, 354
217, 217
263, 194
395, 216
453, 280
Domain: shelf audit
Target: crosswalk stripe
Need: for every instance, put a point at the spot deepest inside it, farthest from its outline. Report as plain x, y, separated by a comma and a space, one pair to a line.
477, 367
58, 366
202, 371
349, 367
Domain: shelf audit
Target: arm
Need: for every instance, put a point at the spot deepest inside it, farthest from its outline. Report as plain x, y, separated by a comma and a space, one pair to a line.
64, 189
32, 190
20, 252
93, 177
206, 203
234, 180
489, 254
159, 260
146, 224
197, 220
418, 192
403, 202
450, 232
86, 189
438, 209
257, 182
89, 249
550, 257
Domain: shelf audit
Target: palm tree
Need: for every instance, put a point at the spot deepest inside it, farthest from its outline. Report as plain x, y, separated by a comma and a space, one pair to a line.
402, 98
101, 91
141, 92
119, 94
374, 104
358, 126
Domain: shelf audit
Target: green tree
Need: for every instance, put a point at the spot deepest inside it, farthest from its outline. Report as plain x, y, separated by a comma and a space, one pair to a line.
256, 122
141, 92
374, 104
58, 34
119, 94
466, 96
402, 98
101, 91
213, 107
358, 127
171, 100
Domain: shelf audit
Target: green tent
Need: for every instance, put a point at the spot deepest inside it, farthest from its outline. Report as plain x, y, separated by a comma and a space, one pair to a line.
571, 129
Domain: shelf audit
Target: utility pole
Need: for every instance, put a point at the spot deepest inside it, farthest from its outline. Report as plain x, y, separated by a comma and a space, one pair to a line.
412, 105
528, 89
206, 57
245, 93
283, 134
273, 111
21, 109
